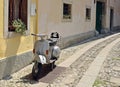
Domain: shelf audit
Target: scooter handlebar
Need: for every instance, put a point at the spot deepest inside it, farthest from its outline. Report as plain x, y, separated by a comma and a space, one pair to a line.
33, 34
39, 35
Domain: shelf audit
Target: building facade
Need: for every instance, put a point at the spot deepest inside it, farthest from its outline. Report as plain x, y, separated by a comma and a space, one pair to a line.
15, 48
74, 20
77, 20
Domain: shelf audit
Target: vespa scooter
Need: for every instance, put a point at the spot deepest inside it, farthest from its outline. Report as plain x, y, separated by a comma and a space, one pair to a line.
46, 52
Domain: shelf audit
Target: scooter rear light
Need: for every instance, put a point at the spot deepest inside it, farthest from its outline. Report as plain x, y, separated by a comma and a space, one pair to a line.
47, 52
33, 50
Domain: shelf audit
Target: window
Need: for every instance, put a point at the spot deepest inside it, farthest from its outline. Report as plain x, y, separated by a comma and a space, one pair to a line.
67, 11
88, 13
17, 9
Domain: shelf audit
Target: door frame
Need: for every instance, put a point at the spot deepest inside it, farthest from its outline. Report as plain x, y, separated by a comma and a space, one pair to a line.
99, 17
111, 17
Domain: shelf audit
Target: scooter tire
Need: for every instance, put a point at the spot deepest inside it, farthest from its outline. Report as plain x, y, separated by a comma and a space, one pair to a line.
52, 65
36, 71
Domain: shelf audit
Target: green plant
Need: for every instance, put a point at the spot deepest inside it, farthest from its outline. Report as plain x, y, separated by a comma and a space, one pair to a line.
98, 83
19, 26
116, 58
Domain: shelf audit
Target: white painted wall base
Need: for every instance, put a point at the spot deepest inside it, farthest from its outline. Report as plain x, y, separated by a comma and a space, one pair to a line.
13, 64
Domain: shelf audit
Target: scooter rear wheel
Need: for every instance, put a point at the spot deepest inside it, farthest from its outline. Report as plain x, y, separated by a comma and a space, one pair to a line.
37, 70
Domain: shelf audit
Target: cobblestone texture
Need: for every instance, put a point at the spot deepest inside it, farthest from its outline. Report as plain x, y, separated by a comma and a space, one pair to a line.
18, 79
73, 74
107, 71
71, 77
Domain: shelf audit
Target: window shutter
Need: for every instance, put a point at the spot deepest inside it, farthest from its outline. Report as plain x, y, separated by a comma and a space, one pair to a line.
11, 14
23, 11
17, 9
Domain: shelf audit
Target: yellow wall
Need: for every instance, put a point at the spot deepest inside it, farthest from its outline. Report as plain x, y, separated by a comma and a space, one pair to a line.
50, 19
19, 44
1, 29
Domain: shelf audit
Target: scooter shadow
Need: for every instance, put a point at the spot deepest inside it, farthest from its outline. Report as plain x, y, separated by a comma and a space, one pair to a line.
29, 79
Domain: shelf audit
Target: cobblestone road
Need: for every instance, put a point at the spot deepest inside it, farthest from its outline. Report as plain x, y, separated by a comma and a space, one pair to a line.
74, 73
109, 75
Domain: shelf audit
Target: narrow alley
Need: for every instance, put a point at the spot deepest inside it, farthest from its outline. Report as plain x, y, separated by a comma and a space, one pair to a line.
92, 64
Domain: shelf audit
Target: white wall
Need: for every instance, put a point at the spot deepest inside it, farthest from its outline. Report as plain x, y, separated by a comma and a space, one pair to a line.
51, 12
50, 16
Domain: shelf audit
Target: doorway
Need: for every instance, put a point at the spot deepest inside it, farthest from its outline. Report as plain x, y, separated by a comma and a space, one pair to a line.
100, 8
111, 18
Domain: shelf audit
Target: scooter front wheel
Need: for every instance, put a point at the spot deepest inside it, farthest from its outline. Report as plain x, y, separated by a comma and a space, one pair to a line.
52, 65
37, 70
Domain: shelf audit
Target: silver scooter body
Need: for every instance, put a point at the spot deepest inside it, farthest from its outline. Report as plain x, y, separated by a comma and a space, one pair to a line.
42, 49
46, 52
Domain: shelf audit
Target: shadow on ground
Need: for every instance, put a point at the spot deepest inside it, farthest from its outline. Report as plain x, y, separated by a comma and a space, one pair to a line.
29, 79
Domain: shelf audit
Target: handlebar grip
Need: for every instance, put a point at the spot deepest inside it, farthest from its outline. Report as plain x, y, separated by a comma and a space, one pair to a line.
33, 34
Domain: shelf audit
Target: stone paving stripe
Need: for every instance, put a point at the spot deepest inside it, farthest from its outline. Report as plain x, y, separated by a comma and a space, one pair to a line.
116, 68
115, 80
91, 74
50, 77
80, 52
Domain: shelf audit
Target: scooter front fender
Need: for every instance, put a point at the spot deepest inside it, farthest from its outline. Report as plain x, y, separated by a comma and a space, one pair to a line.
41, 59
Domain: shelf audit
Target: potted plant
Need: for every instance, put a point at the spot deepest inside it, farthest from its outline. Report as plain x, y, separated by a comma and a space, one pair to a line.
19, 26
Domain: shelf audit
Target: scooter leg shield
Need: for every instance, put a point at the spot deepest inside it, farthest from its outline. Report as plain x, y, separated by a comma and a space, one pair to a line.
42, 59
